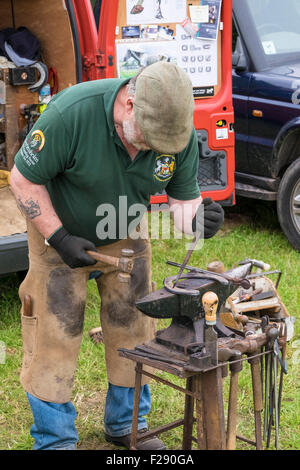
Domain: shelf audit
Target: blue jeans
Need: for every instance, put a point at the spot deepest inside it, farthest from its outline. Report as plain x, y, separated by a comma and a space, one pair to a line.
54, 423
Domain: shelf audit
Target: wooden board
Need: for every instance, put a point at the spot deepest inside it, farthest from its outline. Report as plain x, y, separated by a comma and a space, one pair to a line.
122, 21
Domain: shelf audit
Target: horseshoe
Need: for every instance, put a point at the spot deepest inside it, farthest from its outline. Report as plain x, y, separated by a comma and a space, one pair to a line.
43, 71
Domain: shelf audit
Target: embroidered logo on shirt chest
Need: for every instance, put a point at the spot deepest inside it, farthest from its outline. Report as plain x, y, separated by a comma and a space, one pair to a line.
165, 166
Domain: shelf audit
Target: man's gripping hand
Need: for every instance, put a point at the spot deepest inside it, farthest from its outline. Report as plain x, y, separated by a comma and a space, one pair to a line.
72, 249
213, 218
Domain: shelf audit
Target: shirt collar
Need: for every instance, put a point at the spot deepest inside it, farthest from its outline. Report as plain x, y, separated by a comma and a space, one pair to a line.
109, 100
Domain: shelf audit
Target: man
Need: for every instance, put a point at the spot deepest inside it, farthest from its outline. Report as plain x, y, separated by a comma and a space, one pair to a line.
95, 143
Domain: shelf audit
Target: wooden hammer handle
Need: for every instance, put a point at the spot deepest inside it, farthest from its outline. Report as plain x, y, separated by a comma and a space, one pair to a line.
104, 258
27, 306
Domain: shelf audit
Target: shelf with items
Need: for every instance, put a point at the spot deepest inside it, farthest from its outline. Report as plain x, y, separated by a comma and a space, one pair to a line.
12, 122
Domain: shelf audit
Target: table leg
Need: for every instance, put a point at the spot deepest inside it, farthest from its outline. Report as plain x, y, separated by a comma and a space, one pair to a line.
213, 407
201, 431
188, 416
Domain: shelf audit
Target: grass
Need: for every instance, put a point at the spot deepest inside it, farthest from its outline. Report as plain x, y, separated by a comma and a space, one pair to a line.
255, 235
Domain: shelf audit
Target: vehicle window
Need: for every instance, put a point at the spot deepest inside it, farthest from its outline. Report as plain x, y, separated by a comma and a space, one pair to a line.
234, 35
277, 25
96, 4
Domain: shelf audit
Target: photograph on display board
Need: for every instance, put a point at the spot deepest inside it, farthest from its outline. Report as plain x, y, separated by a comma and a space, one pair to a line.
155, 31
155, 11
131, 56
130, 32
210, 29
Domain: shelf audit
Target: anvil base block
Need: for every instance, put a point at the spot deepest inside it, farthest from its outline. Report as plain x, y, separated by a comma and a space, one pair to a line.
188, 337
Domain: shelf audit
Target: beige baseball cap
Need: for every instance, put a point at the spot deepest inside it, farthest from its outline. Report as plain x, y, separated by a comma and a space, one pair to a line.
164, 106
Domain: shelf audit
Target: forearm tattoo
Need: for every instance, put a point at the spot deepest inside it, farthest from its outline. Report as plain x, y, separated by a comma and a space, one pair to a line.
30, 208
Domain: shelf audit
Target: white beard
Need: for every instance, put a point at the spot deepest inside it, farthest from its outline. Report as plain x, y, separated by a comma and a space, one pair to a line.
131, 135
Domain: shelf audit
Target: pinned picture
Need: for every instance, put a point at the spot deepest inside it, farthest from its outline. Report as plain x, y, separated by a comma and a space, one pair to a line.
132, 32
209, 30
155, 11
132, 56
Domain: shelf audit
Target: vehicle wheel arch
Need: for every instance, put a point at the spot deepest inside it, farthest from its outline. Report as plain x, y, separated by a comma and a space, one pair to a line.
286, 148
288, 203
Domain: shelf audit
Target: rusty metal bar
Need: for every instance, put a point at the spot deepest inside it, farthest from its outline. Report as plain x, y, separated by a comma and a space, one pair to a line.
232, 411
188, 416
161, 429
221, 364
241, 438
200, 416
176, 387
136, 405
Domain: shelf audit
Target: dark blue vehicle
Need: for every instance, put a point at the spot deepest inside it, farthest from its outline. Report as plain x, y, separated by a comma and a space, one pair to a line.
266, 96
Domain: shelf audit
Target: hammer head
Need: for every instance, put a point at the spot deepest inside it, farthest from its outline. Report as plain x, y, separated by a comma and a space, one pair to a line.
126, 260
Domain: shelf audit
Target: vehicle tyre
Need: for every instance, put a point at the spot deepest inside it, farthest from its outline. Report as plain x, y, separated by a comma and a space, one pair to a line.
21, 275
288, 204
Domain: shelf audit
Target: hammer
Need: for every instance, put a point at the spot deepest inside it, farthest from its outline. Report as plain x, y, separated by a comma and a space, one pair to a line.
125, 263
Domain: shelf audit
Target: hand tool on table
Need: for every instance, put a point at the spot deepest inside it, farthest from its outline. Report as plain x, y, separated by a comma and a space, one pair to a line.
275, 362
284, 370
235, 369
245, 296
257, 399
261, 265
264, 323
271, 398
270, 403
235, 276
277, 359
210, 304
125, 263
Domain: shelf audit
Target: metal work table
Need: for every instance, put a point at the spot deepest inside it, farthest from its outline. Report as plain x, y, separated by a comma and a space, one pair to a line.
204, 393
203, 389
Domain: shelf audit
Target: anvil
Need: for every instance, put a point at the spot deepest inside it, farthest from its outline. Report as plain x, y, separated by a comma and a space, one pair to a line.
184, 305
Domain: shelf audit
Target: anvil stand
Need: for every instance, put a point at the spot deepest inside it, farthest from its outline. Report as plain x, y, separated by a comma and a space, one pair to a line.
203, 392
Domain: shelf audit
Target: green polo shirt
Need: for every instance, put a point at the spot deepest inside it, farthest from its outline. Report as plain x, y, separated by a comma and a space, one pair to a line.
74, 150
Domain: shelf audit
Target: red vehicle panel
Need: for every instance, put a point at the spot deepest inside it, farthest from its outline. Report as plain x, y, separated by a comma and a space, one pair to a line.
212, 114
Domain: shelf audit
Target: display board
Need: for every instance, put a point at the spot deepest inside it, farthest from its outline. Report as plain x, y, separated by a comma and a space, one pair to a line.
187, 33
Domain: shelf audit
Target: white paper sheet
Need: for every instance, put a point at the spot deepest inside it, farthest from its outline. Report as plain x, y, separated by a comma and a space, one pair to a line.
198, 58
155, 11
199, 14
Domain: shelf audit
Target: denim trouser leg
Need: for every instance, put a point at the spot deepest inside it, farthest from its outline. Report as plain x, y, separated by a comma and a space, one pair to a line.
119, 408
54, 425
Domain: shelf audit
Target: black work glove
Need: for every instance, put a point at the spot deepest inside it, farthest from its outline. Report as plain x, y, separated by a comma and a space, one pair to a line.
213, 218
72, 249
